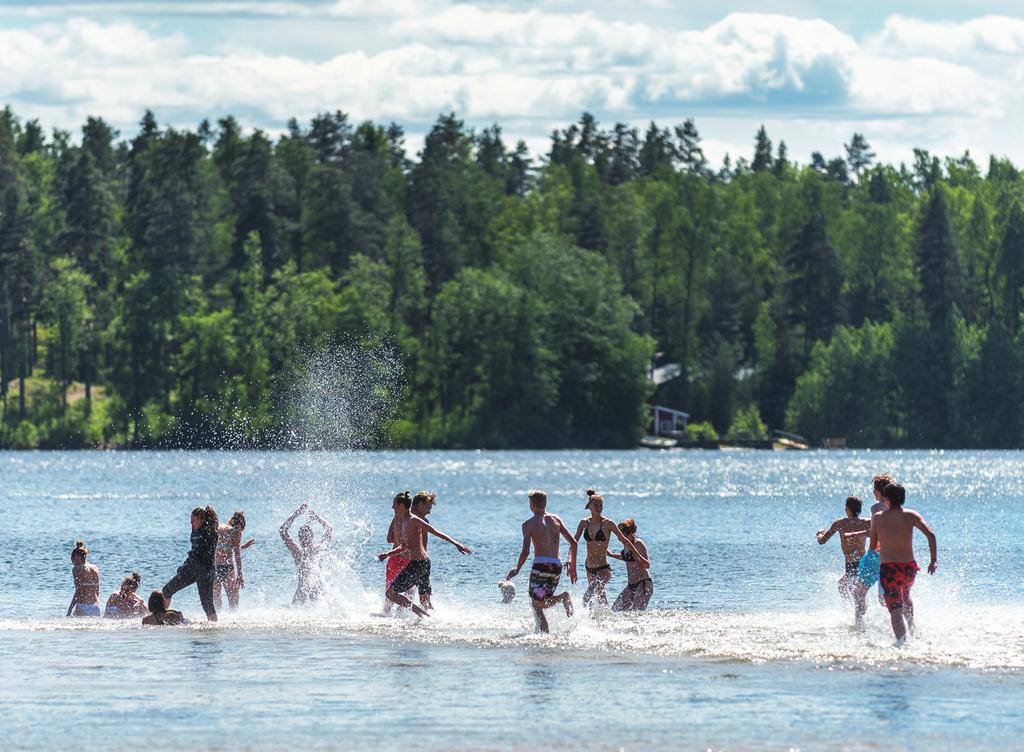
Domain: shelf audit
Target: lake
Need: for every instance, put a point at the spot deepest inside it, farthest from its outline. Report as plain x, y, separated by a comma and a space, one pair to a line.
747, 644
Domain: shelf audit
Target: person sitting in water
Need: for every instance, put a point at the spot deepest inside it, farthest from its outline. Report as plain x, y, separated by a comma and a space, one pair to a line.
228, 559
198, 567
86, 600
417, 571
543, 531
307, 553
892, 533
126, 603
853, 535
637, 593
597, 531
160, 615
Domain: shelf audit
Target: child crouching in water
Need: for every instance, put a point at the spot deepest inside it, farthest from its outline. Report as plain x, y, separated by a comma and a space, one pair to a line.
160, 615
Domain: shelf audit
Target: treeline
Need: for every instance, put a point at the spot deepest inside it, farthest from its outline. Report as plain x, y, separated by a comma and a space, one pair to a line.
158, 290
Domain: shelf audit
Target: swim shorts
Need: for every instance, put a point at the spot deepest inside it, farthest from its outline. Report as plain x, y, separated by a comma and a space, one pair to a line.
544, 577
224, 571
394, 568
87, 609
415, 575
853, 568
896, 579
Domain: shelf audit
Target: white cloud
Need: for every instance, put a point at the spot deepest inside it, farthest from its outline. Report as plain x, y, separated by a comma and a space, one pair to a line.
534, 70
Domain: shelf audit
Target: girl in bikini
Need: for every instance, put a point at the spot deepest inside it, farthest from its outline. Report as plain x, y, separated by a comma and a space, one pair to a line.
228, 559
637, 594
597, 530
126, 603
86, 600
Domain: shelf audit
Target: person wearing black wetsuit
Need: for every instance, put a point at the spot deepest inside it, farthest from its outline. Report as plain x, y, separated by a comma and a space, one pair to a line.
198, 566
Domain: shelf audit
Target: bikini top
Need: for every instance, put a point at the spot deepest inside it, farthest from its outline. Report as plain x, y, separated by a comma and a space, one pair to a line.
599, 536
627, 555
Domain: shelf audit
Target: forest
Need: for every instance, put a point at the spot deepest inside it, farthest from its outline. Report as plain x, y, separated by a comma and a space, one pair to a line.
159, 289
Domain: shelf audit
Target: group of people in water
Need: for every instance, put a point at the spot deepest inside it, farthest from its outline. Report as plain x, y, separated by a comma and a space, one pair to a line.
881, 549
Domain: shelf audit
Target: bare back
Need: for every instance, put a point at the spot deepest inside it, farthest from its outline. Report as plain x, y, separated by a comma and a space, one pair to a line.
894, 529
853, 537
544, 531
87, 583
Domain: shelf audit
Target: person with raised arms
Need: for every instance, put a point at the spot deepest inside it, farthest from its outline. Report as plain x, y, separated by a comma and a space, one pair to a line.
853, 535
306, 554
543, 531
86, 600
892, 533
417, 571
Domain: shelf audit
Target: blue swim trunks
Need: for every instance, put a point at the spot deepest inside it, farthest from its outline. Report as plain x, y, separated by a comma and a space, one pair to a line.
87, 609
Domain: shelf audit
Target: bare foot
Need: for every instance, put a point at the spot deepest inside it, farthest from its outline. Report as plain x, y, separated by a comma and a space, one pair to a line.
567, 602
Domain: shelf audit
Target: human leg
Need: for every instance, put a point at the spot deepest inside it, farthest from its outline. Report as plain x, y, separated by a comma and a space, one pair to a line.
205, 587
179, 581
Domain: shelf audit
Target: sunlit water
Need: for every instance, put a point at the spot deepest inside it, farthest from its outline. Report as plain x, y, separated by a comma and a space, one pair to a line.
747, 644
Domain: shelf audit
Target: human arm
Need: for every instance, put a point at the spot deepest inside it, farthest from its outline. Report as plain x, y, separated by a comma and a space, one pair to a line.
921, 525
237, 550
326, 540
873, 542
391, 531
564, 532
640, 557
286, 525
524, 554
74, 601
643, 559
388, 554
824, 535
434, 531
248, 543
579, 530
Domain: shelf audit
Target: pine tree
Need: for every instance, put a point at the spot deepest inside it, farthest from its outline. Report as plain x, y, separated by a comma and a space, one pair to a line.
763, 159
858, 154
938, 261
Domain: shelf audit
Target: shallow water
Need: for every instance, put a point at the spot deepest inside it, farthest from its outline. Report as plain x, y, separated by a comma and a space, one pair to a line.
747, 644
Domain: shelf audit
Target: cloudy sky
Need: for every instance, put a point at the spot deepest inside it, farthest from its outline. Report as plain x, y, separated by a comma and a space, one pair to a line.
945, 75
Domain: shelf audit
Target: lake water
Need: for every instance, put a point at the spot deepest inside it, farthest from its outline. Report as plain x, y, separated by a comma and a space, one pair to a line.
747, 644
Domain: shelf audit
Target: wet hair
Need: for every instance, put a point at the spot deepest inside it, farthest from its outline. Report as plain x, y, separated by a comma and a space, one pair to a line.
895, 494
879, 482
238, 520
854, 504
157, 602
404, 499
423, 497
539, 499
592, 496
208, 516
306, 533
80, 549
628, 526
131, 582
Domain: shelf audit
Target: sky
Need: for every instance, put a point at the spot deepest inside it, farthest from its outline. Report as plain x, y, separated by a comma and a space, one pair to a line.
941, 75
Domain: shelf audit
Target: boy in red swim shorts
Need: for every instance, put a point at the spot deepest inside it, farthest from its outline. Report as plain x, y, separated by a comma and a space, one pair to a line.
402, 504
892, 531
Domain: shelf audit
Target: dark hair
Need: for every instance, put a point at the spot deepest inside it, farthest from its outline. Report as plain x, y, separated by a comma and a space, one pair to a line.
628, 526
538, 498
404, 499
157, 602
424, 496
238, 520
208, 516
854, 504
593, 495
895, 494
131, 581
879, 482
80, 549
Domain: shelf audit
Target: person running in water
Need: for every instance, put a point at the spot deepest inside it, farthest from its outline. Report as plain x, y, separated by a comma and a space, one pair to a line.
853, 535
597, 531
892, 532
307, 553
542, 531
396, 562
417, 571
198, 567
86, 600
878, 484
640, 587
